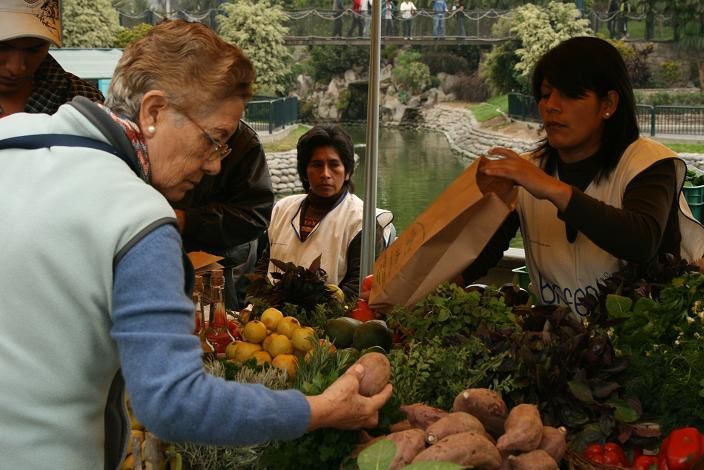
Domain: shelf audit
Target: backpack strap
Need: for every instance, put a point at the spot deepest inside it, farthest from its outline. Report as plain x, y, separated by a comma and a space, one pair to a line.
39, 141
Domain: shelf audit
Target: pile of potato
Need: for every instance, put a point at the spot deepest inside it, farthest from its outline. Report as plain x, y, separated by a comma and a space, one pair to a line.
479, 432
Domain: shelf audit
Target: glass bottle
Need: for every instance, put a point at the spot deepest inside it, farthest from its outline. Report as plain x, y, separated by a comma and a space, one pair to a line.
206, 346
217, 333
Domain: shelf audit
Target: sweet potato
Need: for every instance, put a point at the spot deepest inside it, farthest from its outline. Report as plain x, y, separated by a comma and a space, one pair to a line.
377, 372
400, 426
465, 448
453, 423
554, 442
485, 405
524, 429
409, 443
534, 460
421, 416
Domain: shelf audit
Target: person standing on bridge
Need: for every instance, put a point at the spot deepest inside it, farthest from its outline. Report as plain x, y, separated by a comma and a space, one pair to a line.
408, 9
387, 13
439, 9
338, 11
458, 12
357, 21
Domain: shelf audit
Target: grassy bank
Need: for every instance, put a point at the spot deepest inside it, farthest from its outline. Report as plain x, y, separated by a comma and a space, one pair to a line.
493, 107
287, 142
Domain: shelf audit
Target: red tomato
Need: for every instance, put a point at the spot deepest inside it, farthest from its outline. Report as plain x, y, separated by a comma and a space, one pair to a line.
367, 283
594, 449
618, 450
613, 457
362, 312
645, 462
597, 458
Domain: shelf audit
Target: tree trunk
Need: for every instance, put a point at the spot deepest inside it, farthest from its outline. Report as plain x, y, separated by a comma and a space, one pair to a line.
700, 63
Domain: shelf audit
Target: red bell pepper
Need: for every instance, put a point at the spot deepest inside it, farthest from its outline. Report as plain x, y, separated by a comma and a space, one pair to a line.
362, 312
682, 448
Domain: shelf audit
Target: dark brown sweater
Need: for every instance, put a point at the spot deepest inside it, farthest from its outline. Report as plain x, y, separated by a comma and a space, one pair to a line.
646, 226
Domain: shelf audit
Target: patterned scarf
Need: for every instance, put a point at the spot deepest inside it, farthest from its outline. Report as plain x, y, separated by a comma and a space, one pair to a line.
134, 135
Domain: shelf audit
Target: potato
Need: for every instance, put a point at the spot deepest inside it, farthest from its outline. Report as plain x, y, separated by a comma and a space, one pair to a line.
485, 405
524, 429
534, 460
377, 372
408, 444
465, 448
421, 416
453, 423
554, 442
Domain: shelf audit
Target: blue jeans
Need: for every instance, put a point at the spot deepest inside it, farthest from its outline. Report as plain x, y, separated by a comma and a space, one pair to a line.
439, 24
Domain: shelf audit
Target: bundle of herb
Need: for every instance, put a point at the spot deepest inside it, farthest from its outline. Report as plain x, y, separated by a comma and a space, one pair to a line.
451, 314
433, 373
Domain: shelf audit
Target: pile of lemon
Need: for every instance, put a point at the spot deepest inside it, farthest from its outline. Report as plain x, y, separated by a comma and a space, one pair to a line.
276, 339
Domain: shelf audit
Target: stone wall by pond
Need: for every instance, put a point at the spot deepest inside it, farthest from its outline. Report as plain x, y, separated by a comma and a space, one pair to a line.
462, 132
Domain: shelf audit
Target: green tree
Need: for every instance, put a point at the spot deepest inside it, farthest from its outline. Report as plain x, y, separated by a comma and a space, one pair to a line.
257, 28
410, 74
127, 35
326, 61
535, 29
89, 23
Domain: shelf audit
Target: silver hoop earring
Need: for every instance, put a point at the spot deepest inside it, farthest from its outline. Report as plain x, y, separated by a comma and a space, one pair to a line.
151, 130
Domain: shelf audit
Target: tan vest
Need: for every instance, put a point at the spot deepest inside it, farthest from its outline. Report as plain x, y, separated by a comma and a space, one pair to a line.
331, 238
563, 272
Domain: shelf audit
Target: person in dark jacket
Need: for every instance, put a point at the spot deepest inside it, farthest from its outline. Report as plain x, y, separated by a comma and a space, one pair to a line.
225, 214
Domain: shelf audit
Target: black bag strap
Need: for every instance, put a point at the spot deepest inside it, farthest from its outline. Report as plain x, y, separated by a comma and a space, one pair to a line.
39, 141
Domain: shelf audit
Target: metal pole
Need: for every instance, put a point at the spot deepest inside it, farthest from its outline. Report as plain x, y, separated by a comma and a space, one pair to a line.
370, 163
168, 9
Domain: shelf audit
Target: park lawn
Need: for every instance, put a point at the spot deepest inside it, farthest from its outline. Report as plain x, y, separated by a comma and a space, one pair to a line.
287, 142
493, 107
687, 148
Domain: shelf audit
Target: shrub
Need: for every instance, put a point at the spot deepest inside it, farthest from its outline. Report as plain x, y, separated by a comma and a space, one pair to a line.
669, 74
327, 61
410, 74
499, 70
128, 35
636, 60
445, 62
664, 98
471, 88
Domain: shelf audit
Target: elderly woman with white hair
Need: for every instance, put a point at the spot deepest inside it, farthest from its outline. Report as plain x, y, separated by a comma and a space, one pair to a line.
94, 279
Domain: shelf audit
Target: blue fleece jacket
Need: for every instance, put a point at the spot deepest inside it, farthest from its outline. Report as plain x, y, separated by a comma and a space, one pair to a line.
161, 359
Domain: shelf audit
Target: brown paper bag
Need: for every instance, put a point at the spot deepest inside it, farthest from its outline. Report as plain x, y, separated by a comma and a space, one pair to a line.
443, 240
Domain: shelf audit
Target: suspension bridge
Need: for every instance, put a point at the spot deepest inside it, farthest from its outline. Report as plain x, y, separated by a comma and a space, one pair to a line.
308, 27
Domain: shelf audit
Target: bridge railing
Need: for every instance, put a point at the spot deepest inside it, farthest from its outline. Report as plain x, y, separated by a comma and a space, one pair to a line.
268, 114
478, 24
652, 120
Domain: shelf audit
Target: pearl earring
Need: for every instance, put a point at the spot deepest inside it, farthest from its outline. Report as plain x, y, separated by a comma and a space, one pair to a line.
606, 115
151, 130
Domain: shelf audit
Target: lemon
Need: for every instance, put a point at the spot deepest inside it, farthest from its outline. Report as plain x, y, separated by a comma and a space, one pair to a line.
262, 357
267, 340
303, 338
255, 331
279, 344
336, 292
245, 350
271, 317
287, 362
287, 325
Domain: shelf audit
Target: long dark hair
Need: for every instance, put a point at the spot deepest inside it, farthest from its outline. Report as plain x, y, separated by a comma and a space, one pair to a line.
583, 64
325, 136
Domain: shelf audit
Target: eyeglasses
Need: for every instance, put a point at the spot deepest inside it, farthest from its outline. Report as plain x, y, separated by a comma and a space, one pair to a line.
219, 151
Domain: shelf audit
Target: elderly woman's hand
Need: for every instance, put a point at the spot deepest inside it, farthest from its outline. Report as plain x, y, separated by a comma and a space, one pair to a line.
341, 406
532, 178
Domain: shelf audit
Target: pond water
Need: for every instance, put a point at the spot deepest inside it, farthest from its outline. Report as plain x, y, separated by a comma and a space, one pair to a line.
414, 167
